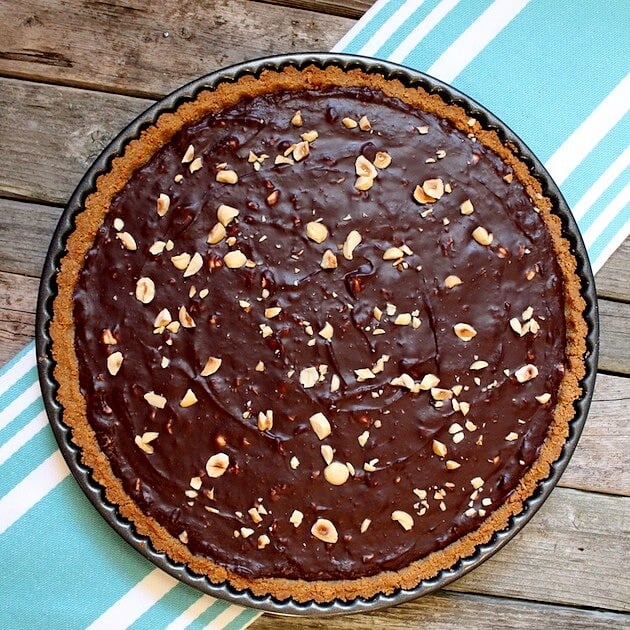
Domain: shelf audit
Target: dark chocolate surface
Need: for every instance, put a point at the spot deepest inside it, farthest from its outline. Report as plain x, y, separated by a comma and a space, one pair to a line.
401, 425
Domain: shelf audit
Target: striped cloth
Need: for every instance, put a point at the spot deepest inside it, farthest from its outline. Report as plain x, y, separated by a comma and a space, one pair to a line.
556, 73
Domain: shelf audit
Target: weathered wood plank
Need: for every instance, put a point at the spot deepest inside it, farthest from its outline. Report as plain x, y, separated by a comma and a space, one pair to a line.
76, 125
601, 462
614, 347
573, 534
25, 233
613, 279
354, 9
449, 610
18, 295
163, 44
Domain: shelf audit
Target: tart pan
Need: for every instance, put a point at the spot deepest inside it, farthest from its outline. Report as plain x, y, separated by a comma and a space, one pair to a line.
48, 290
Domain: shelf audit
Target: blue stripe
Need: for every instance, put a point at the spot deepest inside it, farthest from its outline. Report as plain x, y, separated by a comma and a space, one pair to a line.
543, 87
594, 212
365, 33
21, 420
445, 33
211, 614
621, 221
395, 39
29, 457
245, 618
78, 566
18, 388
168, 608
7, 366
597, 161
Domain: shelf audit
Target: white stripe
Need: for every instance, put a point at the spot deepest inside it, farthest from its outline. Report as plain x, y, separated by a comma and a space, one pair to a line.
15, 407
222, 620
14, 444
14, 373
601, 185
588, 135
611, 246
617, 205
391, 25
34, 487
191, 613
475, 38
359, 26
135, 602
422, 30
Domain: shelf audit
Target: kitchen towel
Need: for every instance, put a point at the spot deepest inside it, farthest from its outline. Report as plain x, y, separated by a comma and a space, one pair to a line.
556, 73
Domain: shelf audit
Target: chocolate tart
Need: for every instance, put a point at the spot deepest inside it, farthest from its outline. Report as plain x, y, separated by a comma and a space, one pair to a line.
322, 329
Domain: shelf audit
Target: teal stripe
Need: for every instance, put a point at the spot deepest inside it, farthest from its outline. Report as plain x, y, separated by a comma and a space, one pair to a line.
597, 161
594, 212
621, 221
209, 615
245, 618
365, 33
396, 38
29, 457
18, 388
543, 87
78, 566
7, 366
445, 33
168, 608
21, 420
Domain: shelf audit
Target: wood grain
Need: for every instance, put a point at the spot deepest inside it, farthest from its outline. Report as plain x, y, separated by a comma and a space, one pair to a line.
25, 232
18, 295
150, 47
76, 125
574, 533
354, 9
601, 462
613, 279
445, 610
614, 347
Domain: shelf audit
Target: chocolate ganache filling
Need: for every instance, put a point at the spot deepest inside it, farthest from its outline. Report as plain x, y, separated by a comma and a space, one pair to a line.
320, 334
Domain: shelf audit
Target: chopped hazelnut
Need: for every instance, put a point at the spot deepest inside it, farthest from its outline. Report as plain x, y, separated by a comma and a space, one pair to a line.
403, 519
466, 207
482, 236
452, 281
526, 373
324, 530
226, 177
217, 465
319, 424
163, 204
464, 331
114, 361
155, 400
226, 214
316, 231
350, 244
329, 260
336, 473
211, 366
296, 518
382, 159
189, 399
128, 241
235, 259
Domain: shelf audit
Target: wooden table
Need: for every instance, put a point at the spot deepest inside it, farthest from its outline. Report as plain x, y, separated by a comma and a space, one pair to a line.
73, 73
